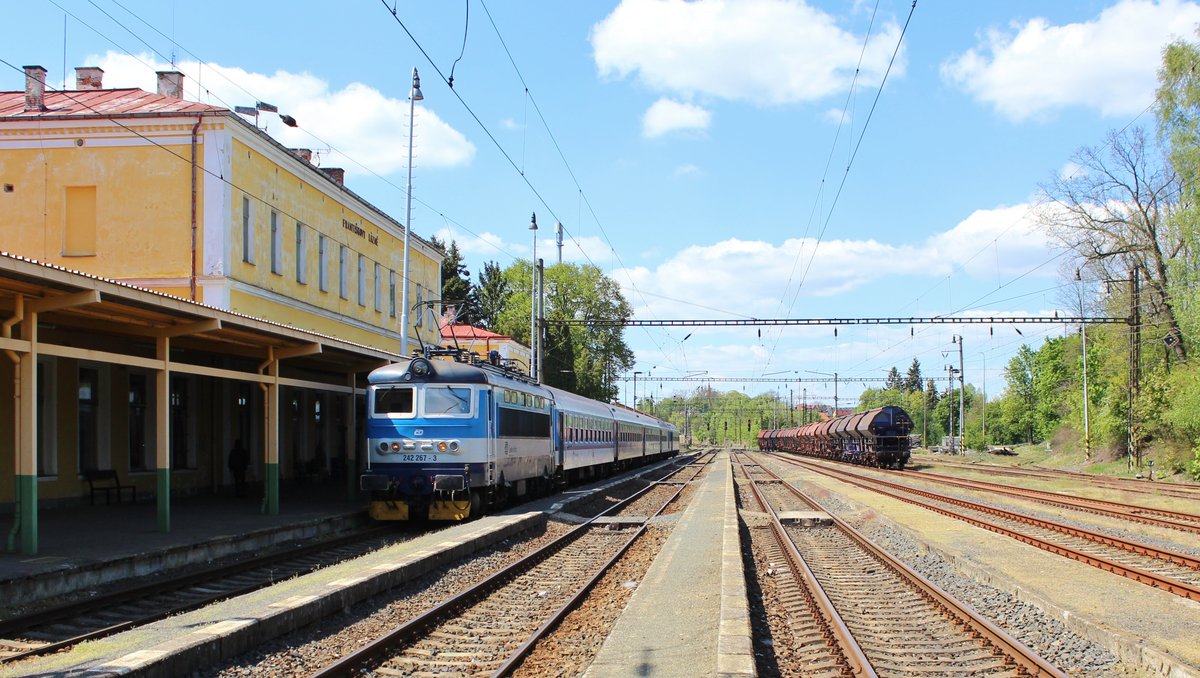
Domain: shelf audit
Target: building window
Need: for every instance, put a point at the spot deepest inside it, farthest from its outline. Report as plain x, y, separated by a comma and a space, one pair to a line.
392, 293
378, 289
362, 280
92, 428
180, 422
344, 272
47, 417
247, 231
323, 263
141, 422
276, 244
301, 254
79, 233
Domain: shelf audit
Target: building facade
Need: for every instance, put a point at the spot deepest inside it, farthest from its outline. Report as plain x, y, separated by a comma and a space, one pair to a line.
193, 200
148, 191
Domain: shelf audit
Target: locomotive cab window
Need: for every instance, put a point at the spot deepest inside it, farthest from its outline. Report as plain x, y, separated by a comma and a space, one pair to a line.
394, 401
447, 401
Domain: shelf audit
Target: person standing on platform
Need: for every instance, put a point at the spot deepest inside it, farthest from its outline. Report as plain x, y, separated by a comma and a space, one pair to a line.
239, 459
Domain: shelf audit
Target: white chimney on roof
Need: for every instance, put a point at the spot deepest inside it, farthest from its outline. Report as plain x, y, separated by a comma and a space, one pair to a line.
89, 77
170, 84
35, 88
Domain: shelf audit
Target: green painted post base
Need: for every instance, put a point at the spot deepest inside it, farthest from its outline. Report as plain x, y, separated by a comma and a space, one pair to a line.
164, 500
271, 498
28, 490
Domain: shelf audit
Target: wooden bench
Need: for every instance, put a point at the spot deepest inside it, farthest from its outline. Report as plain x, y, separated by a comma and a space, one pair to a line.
107, 481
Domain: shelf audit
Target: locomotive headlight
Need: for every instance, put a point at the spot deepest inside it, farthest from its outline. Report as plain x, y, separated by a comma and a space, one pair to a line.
442, 446
395, 447
383, 447
453, 445
420, 367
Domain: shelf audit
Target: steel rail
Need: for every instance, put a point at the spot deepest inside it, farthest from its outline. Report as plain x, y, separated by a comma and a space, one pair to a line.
1178, 520
1182, 589
1106, 540
518, 656
836, 630
43, 618
348, 665
1028, 659
1122, 484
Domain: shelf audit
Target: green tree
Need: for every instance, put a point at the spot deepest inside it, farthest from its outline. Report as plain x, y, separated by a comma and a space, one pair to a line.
912, 380
894, 381
491, 295
457, 291
1020, 393
573, 292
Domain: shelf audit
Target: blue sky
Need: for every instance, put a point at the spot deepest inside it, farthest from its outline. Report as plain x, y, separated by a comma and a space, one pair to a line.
704, 145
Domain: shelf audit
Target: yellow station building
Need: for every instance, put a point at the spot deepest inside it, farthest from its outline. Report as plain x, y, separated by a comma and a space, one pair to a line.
193, 201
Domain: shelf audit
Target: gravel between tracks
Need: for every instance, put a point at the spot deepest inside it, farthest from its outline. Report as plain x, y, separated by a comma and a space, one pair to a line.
572, 647
1045, 635
317, 645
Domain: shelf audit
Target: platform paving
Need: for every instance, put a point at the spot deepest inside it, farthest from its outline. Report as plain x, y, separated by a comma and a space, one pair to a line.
88, 546
689, 616
196, 640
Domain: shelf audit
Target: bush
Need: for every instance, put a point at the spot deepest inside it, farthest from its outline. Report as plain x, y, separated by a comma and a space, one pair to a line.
1194, 471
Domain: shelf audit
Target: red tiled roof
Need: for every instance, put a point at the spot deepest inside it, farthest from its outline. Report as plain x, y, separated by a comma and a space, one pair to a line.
102, 102
459, 331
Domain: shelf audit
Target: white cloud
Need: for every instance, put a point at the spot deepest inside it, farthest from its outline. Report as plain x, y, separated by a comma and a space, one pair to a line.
1000, 243
994, 244
837, 116
762, 51
489, 246
687, 169
360, 121
1108, 64
665, 116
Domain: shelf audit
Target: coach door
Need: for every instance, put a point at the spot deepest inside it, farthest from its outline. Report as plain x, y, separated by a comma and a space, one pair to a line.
493, 437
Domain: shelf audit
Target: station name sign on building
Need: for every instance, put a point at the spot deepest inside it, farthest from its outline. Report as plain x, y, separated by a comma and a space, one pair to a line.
372, 238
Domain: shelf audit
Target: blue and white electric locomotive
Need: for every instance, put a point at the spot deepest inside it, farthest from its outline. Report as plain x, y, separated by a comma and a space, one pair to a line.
446, 439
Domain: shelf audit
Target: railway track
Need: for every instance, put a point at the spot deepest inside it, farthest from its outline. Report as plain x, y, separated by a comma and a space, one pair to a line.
1178, 520
493, 625
1174, 572
61, 627
1122, 484
855, 610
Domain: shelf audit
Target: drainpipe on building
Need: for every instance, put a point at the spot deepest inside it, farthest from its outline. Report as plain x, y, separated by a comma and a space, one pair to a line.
195, 140
6, 332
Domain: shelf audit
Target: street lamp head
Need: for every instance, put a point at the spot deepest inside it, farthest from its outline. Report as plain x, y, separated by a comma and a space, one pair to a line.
416, 95
533, 222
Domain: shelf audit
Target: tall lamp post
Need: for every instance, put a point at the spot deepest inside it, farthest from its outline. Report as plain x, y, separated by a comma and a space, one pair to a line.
413, 97
635, 389
533, 303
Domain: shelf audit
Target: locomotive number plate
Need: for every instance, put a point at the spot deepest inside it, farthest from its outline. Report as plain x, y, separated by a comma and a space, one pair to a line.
418, 457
